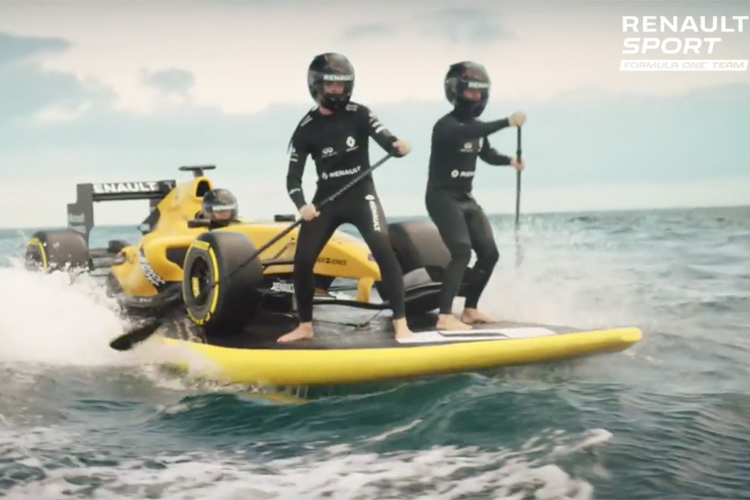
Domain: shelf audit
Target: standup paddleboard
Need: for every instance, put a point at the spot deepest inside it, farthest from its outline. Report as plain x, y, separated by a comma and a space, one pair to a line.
367, 356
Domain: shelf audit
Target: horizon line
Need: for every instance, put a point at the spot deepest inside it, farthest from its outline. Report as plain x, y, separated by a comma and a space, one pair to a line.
489, 214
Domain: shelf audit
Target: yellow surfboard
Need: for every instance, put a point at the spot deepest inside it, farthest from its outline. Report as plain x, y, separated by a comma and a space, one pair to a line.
370, 356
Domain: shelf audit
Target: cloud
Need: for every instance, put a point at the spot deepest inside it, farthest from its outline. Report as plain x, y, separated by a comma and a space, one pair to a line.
36, 91
453, 24
15, 48
170, 80
367, 30
464, 25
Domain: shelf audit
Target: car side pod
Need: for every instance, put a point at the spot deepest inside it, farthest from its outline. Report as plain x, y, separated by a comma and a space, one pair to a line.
220, 288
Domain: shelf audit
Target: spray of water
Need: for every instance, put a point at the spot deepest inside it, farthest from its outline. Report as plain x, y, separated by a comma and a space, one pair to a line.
57, 318
565, 277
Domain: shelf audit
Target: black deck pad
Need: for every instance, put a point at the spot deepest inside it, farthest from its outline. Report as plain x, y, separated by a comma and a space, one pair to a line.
332, 333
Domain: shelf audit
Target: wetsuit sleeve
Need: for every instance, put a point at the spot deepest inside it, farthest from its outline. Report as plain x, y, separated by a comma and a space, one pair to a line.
492, 156
298, 151
450, 128
379, 132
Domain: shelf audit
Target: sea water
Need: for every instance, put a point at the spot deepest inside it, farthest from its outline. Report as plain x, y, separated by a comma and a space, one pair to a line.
668, 419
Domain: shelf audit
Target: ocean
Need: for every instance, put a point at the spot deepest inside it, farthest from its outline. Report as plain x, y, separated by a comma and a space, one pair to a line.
666, 419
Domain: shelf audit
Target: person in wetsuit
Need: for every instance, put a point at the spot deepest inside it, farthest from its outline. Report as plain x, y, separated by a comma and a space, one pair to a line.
220, 207
336, 133
458, 138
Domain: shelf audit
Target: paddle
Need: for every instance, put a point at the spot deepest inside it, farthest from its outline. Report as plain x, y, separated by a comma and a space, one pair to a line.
519, 256
518, 178
141, 333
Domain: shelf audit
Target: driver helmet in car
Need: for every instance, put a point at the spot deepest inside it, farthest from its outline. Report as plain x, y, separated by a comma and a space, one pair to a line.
220, 207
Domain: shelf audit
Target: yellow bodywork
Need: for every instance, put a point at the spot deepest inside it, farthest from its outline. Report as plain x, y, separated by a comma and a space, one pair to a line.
356, 365
344, 256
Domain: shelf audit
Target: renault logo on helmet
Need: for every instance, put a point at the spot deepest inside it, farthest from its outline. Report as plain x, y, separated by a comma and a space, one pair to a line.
338, 78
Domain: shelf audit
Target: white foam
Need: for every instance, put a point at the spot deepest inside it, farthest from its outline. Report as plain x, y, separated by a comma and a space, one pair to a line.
439, 473
56, 319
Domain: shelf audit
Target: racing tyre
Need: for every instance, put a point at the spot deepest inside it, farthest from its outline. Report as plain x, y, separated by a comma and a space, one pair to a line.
62, 249
423, 258
220, 286
418, 245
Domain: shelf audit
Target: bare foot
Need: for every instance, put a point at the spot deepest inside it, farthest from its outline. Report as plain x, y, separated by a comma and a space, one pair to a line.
402, 329
303, 331
472, 316
450, 322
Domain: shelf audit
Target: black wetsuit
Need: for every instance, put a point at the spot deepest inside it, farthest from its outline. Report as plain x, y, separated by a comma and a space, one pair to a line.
463, 225
339, 145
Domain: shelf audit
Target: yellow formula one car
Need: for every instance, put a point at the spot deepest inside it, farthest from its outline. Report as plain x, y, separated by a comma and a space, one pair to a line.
179, 261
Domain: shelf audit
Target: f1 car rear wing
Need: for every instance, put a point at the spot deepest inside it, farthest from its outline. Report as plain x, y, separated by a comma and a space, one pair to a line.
81, 212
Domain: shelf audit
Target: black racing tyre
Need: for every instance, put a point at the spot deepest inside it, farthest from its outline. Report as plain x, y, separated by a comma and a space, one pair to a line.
220, 287
57, 250
418, 244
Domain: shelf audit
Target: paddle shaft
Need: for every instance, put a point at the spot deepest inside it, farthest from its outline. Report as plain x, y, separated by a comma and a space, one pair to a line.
518, 178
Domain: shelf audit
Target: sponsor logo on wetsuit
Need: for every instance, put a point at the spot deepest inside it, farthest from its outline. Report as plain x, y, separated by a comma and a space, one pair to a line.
472, 146
351, 144
461, 173
126, 187
328, 152
376, 125
307, 119
374, 211
340, 173
293, 157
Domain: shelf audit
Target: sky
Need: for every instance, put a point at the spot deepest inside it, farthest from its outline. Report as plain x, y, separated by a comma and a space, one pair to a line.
105, 90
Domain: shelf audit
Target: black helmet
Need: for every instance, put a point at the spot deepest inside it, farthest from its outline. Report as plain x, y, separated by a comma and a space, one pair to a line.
330, 67
219, 200
467, 75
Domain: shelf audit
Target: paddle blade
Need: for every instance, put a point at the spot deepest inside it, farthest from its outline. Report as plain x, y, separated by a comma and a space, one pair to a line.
128, 339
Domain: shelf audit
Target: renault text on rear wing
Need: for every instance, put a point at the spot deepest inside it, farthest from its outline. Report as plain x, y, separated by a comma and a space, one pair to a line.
81, 212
